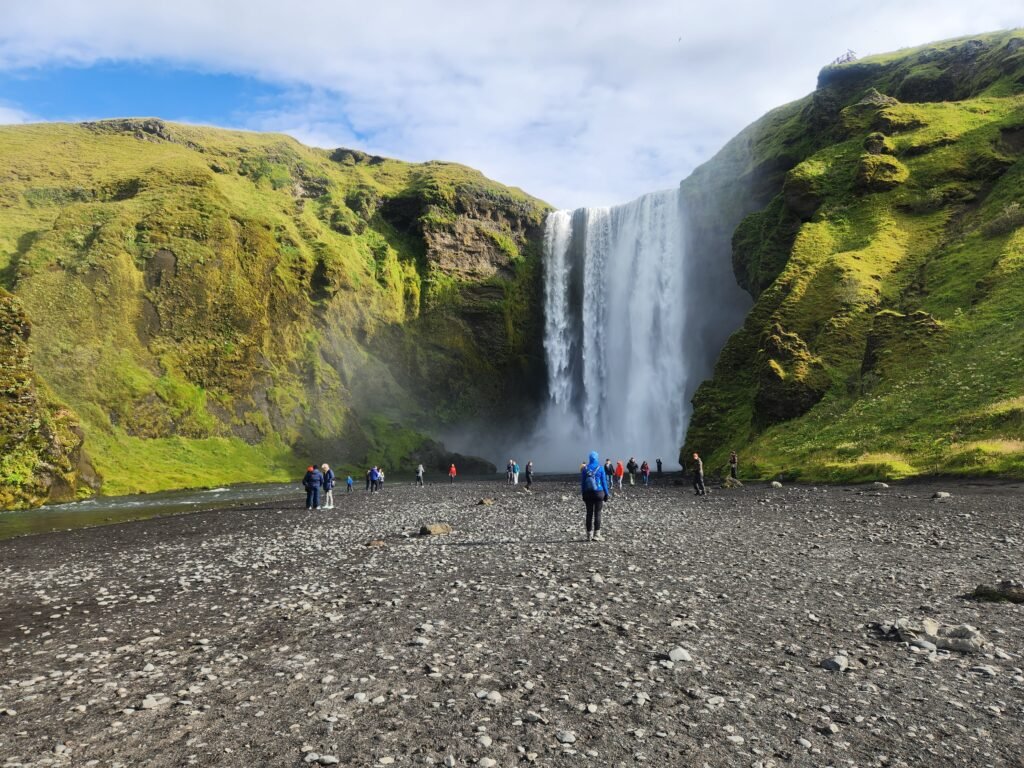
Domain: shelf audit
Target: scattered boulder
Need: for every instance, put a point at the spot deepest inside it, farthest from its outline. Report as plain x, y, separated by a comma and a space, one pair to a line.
375, 544
941, 495
962, 638
880, 485
1010, 590
678, 654
435, 529
731, 482
776, 484
837, 663
485, 502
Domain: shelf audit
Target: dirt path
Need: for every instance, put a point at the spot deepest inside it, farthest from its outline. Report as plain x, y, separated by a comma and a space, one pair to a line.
269, 636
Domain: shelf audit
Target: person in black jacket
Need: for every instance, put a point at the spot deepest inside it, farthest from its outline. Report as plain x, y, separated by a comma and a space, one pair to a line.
312, 483
631, 469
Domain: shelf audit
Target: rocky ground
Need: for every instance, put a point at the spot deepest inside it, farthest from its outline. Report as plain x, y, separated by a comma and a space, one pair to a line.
745, 629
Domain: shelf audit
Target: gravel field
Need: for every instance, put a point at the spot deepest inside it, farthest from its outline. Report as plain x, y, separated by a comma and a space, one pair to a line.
756, 627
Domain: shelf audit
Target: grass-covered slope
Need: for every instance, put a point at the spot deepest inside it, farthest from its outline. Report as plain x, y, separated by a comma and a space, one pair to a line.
881, 232
214, 306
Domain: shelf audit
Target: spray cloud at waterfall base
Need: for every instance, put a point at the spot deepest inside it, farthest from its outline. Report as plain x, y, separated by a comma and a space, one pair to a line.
615, 332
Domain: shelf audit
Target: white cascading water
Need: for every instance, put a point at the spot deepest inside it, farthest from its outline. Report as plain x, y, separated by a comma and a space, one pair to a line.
615, 326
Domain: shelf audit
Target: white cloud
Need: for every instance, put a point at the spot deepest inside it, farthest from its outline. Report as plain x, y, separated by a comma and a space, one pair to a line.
10, 115
578, 101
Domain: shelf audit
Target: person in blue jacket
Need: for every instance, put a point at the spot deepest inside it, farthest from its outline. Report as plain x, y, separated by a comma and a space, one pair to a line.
312, 482
348, 484
595, 488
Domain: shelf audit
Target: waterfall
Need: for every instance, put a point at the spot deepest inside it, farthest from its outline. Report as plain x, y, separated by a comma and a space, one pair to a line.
615, 328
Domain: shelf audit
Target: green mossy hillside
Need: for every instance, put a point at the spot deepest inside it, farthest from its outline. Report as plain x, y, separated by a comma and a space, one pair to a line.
884, 246
214, 306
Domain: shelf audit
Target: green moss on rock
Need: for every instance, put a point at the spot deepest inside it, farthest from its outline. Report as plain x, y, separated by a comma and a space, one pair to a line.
878, 173
886, 340
240, 293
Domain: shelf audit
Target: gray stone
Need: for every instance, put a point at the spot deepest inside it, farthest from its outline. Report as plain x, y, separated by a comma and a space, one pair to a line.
678, 654
566, 737
837, 663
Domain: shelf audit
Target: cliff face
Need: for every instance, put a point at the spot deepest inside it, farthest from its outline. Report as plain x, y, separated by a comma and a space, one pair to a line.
877, 224
214, 306
40, 441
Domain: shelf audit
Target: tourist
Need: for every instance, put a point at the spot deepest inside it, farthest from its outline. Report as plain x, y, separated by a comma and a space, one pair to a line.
328, 486
609, 471
658, 462
419, 475
312, 483
595, 489
348, 483
631, 468
451, 474
374, 479
380, 478
734, 466
698, 475
529, 475
515, 472
619, 472
645, 473
368, 473
508, 472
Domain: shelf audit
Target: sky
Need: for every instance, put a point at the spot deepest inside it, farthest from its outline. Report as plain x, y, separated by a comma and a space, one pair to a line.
579, 102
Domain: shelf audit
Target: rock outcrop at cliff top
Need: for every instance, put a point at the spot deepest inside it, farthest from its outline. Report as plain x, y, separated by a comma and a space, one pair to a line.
214, 306
877, 222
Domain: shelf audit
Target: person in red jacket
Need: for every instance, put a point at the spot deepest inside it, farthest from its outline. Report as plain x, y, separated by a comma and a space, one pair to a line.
620, 471
452, 473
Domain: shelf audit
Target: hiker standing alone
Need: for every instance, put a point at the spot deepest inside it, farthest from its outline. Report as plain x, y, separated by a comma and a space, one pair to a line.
419, 475
451, 474
698, 475
619, 472
734, 465
529, 475
631, 468
595, 488
515, 472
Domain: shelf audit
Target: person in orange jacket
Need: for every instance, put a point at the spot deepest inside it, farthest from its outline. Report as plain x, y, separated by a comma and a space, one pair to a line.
619, 472
452, 473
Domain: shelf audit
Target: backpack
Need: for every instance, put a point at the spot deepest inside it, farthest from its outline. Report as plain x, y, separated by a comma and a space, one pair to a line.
590, 483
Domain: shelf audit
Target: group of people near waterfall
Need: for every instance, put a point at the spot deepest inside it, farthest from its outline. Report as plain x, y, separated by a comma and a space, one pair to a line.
597, 480
512, 471
321, 481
